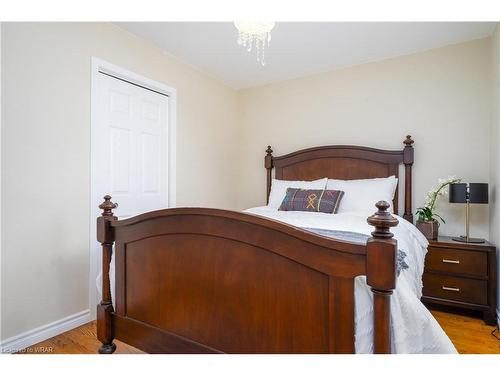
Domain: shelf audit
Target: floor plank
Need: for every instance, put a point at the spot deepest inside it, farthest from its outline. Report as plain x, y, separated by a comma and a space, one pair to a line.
81, 340
469, 335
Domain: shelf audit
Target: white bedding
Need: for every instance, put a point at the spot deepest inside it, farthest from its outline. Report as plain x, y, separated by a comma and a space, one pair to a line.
414, 329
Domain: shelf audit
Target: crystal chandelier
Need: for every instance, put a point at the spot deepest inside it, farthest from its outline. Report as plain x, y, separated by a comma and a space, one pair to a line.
255, 35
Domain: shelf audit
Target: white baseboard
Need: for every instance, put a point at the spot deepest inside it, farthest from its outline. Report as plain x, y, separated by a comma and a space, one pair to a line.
498, 319
23, 340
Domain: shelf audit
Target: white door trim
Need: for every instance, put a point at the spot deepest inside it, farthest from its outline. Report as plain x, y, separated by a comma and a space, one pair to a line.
99, 66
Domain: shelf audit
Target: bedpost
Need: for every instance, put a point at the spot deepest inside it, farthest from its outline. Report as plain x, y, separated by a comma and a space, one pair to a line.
105, 236
381, 252
268, 163
408, 162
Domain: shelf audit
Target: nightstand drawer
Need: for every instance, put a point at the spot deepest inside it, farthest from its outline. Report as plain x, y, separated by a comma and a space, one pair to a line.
455, 288
464, 262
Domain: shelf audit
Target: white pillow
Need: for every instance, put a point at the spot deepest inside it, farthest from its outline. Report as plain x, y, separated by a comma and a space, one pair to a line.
361, 195
278, 189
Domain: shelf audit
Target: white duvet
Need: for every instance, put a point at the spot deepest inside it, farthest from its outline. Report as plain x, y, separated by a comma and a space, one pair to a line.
414, 329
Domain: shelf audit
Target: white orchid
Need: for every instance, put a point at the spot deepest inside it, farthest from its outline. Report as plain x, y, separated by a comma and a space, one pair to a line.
427, 213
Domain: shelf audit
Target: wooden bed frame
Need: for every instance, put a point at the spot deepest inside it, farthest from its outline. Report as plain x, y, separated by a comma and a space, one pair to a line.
197, 280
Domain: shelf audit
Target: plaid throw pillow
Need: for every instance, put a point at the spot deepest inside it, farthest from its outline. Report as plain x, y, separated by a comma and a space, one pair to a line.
326, 201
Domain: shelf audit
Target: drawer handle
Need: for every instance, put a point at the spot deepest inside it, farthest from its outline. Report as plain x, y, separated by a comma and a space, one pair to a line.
451, 289
451, 261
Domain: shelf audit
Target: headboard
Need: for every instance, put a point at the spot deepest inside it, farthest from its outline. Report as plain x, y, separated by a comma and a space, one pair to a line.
345, 163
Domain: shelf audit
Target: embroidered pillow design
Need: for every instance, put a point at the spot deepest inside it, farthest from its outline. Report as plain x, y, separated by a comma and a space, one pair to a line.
326, 201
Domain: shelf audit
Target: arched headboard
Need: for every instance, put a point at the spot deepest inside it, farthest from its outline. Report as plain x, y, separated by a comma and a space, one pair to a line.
346, 163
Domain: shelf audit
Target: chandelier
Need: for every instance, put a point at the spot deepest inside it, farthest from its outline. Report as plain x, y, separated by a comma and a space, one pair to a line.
255, 35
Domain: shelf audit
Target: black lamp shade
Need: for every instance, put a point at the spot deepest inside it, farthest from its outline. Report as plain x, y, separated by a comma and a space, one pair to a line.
458, 193
478, 193
473, 192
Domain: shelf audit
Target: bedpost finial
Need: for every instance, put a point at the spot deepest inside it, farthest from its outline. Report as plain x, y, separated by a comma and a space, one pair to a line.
408, 141
107, 206
269, 151
382, 220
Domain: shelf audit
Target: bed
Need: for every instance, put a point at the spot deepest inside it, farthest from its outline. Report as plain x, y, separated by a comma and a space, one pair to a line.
198, 280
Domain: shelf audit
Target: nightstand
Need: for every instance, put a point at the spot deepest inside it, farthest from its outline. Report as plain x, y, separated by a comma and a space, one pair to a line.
461, 275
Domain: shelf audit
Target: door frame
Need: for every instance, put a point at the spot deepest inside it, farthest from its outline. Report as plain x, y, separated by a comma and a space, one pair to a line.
97, 66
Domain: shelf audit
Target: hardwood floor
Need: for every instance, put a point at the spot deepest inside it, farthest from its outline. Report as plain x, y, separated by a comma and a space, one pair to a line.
469, 335
81, 340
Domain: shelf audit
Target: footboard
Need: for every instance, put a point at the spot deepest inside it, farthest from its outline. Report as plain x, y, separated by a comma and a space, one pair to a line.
193, 280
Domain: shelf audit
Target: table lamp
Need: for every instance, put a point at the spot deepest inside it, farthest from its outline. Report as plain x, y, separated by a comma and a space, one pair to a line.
468, 193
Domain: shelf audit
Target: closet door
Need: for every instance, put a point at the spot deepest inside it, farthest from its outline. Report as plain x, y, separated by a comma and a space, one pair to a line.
132, 146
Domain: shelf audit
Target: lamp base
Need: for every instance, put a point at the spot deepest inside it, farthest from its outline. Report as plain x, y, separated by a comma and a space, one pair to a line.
470, 240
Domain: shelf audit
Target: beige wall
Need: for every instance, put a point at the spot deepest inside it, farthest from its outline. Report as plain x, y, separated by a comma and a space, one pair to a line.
440, 97
494, 145
46, 153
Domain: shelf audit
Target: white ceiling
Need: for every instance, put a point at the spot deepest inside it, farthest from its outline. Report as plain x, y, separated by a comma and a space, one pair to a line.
299, 48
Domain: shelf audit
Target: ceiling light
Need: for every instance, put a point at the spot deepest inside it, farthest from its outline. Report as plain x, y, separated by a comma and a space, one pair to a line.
255, 35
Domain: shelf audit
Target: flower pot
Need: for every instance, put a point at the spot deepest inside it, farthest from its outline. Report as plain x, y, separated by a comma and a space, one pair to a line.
429, 229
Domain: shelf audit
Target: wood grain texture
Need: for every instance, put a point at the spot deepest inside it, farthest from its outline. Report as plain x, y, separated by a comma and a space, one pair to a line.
469, 269
226, 302
105, 307
455, 288
381, 252
469, 335
345, 163
199, 280
458, 262
81, 340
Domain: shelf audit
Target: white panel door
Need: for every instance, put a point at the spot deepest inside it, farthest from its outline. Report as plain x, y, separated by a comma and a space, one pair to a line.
131, 146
